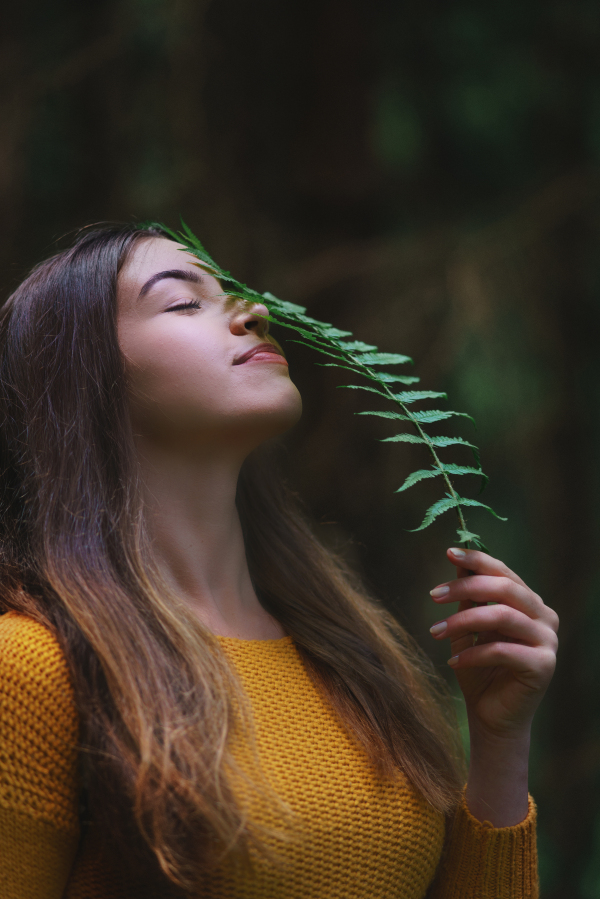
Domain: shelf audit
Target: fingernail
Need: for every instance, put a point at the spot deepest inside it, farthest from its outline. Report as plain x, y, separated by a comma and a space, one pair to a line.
458, 553
438, 628
438, 592
453, 661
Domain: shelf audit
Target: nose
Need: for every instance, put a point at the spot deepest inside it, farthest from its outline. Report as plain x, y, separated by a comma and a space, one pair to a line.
250, 319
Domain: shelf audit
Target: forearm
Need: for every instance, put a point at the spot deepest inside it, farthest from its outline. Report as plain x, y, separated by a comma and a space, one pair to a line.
498, 773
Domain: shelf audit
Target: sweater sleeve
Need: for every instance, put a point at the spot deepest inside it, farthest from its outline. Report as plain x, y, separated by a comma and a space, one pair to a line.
485, 862
39, 788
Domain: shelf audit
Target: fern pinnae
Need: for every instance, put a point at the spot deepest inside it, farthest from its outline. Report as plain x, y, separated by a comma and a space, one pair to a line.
364, 360
425, 437
413, 396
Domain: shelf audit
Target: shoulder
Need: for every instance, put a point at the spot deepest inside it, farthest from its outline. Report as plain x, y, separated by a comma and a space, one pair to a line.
38, 722
32, 661
23, 637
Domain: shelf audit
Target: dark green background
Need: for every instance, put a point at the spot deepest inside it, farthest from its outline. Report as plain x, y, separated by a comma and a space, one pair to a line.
425, 174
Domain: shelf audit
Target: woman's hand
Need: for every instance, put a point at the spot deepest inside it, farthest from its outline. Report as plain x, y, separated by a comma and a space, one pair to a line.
504, 657
504, 671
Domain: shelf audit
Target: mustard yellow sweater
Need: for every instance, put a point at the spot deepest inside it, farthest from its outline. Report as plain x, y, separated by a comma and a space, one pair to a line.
354, 836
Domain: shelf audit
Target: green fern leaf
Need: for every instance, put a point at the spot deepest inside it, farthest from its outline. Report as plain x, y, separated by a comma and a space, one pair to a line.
406, 438
465, 536
462, 501
321, 350
193, 239
332, 332
434, 415
440, 442
396, 416
357, 346
485, 479
284, 305
362, 387
355, 371
423, 417
451, 502
382, 359
434, 511
413, 396
417, 476
362, 372
389, 378
450, 468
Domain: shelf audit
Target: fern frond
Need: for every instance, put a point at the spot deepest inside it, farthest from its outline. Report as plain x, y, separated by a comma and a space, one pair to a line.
365, 361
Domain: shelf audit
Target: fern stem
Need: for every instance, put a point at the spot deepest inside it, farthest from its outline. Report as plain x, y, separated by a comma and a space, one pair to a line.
425, 437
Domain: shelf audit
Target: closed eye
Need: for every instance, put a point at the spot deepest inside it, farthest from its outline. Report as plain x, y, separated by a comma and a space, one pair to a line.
189, 304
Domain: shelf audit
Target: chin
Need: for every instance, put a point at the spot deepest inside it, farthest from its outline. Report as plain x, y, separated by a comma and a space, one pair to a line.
255, 418
273, 419
281, 416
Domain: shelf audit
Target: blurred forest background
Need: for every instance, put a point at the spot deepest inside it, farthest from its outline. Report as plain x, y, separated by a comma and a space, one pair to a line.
423, 174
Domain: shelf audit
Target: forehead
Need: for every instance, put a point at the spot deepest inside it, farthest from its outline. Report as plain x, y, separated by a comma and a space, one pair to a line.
151, 256
155, 255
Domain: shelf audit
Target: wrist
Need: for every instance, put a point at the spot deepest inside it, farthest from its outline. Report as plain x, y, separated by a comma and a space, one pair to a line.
498, 776
501, 744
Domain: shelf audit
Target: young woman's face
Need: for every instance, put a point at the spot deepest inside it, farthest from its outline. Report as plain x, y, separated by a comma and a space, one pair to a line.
201, 369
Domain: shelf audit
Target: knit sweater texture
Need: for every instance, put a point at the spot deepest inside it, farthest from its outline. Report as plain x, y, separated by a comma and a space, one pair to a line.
348, 833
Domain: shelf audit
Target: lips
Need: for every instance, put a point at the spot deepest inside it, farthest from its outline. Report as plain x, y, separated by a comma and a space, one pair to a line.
262, 349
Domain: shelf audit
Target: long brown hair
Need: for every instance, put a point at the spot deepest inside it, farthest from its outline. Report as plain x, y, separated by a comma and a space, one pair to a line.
155, 694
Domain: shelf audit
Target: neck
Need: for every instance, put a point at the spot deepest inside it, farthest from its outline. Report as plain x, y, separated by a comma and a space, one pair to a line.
197, 538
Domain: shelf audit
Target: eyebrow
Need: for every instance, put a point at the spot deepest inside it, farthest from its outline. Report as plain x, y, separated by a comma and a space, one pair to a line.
179, 274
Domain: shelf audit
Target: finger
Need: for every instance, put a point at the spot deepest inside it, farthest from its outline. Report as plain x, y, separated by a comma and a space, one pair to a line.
501, 620
482, 589
481, 563
537, 663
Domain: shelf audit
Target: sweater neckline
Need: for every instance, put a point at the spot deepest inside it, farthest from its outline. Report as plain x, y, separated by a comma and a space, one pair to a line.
274, 641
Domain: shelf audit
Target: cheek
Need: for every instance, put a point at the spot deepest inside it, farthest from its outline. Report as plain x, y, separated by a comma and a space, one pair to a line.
183, 383
173, 376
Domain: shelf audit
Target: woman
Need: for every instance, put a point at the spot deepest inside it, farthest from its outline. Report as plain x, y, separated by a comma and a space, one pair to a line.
197, 700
